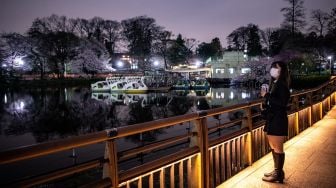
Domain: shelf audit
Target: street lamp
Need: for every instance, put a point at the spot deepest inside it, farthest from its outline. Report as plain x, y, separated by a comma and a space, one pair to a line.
330, 65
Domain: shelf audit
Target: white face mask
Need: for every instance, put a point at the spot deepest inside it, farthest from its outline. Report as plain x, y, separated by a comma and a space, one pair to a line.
275, 73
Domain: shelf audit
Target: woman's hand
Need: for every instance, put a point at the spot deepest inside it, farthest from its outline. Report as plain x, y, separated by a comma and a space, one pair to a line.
263, 92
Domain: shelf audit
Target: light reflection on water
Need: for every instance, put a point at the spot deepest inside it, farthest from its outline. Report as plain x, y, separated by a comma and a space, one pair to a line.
40, 115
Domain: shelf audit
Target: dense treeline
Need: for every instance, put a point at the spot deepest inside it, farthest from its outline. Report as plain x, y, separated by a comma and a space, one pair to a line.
58, 44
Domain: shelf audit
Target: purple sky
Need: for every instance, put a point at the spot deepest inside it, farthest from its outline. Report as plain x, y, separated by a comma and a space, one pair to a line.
199, 19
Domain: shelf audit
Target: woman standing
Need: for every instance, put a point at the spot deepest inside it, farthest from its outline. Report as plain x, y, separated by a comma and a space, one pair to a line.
276, 118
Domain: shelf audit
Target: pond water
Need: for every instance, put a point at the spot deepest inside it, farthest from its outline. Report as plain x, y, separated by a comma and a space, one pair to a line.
30, 116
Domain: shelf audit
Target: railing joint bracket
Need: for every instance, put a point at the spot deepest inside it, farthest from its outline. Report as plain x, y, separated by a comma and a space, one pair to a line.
112, 132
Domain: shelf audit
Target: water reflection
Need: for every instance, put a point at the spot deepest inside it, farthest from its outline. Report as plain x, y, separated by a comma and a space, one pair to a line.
39, 115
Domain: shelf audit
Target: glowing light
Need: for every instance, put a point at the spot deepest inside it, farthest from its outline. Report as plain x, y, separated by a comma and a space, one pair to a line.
198, 63
18, 61
120, 64
5, 99
156, 63
4, 65
20, 105
329, 57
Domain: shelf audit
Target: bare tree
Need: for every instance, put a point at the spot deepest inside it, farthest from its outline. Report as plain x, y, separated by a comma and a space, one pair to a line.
294, 15
332, 21
97, 25
14, 47
266, 38
112, 32
161, 45
319, 21
237, 39
140, 33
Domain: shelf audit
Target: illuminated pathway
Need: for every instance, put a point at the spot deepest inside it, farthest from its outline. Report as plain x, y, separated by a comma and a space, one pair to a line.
310, 160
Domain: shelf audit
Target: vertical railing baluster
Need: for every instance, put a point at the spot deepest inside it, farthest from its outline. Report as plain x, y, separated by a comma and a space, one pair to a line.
228, 159
217, 167
162, 178
211, 168
181, 178
234, 156
172, 176
296, 124
321, 110
309, 116
238, 153
243, 151
140, 182
222, 162
189, 172
151, 180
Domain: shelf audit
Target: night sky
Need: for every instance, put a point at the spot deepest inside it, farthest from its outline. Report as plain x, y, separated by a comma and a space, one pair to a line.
199, 19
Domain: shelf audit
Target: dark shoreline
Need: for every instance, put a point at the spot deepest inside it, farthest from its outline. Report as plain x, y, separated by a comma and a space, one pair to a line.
68, 82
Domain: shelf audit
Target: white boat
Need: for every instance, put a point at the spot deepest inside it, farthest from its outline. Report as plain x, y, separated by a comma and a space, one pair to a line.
100, 86
128, 84
135, 85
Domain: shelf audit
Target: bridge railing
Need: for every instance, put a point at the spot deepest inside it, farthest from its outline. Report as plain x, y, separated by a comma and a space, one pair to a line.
219, 143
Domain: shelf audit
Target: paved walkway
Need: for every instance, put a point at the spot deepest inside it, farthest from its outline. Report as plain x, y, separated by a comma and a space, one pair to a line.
310, 160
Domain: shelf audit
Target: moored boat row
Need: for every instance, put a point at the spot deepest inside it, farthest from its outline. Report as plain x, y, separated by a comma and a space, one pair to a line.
128, 84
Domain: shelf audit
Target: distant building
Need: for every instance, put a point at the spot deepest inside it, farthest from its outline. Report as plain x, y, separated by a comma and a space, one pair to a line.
228, 67
124, 61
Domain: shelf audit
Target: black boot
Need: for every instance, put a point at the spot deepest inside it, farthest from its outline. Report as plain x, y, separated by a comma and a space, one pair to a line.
278, 174
267, 174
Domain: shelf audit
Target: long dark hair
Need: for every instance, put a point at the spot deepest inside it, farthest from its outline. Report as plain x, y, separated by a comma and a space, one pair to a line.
284, 73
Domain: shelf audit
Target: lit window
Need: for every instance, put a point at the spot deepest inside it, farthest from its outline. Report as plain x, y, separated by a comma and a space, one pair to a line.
245, 95
220, 71
220, 95
231, 70
231, 95
245, 70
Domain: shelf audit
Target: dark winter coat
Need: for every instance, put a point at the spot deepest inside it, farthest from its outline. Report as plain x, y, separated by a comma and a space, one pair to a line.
276, 109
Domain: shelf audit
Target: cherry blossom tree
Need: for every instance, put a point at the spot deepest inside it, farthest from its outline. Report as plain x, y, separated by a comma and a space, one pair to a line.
92, 58
258, 71
13, 47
